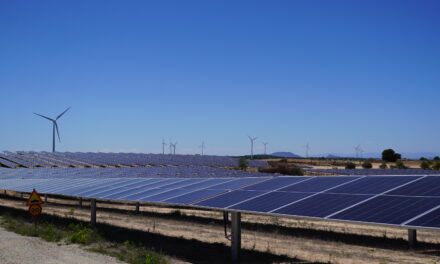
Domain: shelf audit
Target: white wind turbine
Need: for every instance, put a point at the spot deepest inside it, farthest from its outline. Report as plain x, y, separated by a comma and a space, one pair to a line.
252, 139
54, 127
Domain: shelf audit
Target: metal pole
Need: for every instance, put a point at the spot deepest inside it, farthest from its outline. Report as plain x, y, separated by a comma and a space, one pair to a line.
93, 212
80, 202
235, 236
137, 207
53, 138
45, 197
412, 238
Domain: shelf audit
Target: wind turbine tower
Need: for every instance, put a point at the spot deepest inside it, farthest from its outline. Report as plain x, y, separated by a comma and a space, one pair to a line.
358, 151
202, 147
54, 127
174, 148
307, 146
163, 146
265, 147
252, 139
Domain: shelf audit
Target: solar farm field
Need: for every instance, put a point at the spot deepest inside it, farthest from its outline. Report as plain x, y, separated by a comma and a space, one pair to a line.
193, 197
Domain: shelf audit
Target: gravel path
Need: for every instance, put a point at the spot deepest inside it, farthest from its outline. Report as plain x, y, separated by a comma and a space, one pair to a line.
16, 249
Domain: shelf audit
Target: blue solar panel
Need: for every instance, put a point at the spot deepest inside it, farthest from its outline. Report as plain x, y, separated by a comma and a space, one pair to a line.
194, 196
431, 219
428, 186
388, 209
318, 184
373, 185
229, 198
135, 184
134, 191
240, 182
275, 183
321, 205
269, 201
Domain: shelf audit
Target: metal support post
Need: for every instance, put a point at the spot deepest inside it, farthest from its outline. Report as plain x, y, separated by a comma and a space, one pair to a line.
80, 202
235, 236
93, 212
412, 238
45, 197
137, 207
21, 195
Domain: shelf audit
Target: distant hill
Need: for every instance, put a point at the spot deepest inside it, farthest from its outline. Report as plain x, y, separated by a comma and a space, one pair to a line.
285, 155
331, 156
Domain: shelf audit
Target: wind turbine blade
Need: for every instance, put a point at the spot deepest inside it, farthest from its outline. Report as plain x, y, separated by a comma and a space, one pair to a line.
62, 113
44, 117
58, 132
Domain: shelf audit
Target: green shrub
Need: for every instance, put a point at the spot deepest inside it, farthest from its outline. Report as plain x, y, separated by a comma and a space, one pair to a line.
400, 165
425, 165
383, 166
243, 163
81, 234
367, 165
436, 158
436, 165
350, 166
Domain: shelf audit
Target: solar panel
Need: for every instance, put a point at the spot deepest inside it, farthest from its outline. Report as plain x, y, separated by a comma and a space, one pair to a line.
320, 205
388, 209
373, 184
427, 186
401, 201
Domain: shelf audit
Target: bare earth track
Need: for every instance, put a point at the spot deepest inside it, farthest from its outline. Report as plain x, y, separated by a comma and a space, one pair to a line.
17, 249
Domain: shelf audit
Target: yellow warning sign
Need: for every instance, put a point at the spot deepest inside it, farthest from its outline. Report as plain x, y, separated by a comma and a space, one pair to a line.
34, 198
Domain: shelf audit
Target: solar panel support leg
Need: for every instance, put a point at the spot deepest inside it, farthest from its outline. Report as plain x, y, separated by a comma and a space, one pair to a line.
137, 207
235, 236
45, 197
80, 202
21, 195
93, 212
412, 238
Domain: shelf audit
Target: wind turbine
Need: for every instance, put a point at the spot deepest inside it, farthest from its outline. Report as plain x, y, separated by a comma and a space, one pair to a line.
265, 147
54, 127
307, 146
174, 148
252, 139
171, 147
358, 151
202, 146
163, 146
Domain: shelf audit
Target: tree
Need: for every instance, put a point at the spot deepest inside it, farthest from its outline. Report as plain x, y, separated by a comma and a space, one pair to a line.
243, 163
436, 158
383, 166
425, 165
390, 155
367, 165
350, 166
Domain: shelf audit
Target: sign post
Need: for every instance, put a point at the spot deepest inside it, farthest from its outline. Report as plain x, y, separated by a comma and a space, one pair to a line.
34, 202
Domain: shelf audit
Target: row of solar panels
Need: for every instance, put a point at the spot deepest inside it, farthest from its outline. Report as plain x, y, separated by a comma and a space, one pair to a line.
140, 172
68, 159
375, 171
409, 201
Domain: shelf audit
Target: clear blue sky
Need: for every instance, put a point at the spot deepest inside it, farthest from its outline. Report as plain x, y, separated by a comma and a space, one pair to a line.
332, 73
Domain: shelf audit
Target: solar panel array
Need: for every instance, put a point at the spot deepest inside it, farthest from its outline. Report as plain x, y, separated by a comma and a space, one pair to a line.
124, 172
361, 172
406, 201
81, 159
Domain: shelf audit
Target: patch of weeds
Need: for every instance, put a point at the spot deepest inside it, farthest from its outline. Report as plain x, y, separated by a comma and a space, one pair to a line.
131, 253
81, 234
45, 230
70, 212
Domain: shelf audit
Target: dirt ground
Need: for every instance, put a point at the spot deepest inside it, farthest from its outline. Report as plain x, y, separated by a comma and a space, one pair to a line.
306, 240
